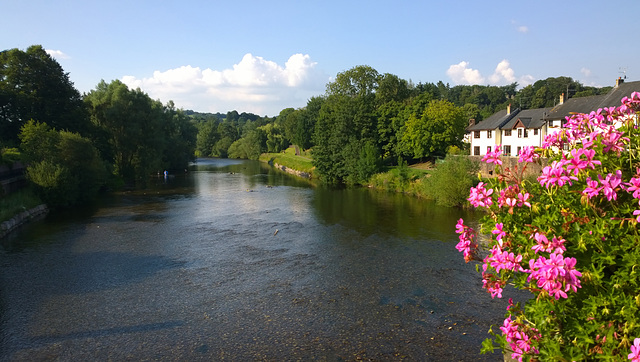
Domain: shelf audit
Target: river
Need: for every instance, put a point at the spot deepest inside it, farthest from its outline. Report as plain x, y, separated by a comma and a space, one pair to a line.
237, 261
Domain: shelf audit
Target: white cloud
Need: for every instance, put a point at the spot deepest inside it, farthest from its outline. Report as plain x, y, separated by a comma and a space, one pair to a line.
523, 29
586, 72
253, 85
461, 73
57, 54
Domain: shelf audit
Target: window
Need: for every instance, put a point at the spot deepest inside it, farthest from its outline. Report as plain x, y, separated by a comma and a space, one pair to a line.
550, 123
507, 132
519, 149
489, 134
476, 150
488, 149
535, 132
506, 150
519, 132
526, 133
476, 134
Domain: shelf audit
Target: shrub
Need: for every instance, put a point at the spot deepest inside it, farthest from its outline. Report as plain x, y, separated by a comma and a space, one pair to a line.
570, 238
449, 183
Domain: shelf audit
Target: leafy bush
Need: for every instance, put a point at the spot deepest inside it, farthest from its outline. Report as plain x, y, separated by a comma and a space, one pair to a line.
570, 238
449, 183
65, 168
9, 156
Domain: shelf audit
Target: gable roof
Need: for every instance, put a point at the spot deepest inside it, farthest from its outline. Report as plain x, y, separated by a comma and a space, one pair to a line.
529, 118
593, 103
494, 121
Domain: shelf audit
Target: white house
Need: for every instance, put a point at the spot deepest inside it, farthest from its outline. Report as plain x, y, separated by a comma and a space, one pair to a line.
513, 130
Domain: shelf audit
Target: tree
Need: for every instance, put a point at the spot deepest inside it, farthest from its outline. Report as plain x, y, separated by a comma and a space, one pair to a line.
64, 167
441, 125
207, 137
34, 86
140, 136
360, 81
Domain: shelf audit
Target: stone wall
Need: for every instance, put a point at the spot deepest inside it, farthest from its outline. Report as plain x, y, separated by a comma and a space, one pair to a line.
8, 226
487, 169
292, 171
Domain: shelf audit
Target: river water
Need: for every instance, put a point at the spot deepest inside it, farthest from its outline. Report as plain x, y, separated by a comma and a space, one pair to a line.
237, 261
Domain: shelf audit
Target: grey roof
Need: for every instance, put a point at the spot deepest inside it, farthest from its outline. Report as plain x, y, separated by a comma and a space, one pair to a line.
530, 118
593, 103
494, 121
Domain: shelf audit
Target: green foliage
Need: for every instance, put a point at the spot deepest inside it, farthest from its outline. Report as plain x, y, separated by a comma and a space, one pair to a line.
139, 136
449, 183
289, 159
570, 238
345, 125
17, 202
65, 168
34, 86
8, 156
441, 125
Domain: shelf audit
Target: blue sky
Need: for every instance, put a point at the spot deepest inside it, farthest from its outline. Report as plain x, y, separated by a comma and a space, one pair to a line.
264, 56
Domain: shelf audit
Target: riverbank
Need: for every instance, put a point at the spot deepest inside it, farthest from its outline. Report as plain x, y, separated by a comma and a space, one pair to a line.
10, 225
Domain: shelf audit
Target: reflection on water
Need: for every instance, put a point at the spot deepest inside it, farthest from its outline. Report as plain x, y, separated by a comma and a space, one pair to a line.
235, 260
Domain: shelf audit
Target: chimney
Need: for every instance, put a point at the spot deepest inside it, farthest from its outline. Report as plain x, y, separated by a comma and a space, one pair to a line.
472, 122
619, 81
509, 108
562, 98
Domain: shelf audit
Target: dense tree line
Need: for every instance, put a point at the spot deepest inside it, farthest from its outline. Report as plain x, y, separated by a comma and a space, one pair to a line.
366, 120
75, 144
363, 121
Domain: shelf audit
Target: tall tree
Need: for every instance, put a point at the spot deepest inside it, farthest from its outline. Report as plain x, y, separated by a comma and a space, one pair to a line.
34, 86
140, 135
441, 125
359, 81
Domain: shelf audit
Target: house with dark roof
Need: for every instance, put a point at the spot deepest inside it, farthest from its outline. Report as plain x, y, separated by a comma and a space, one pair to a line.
557, 115
515, 130
512, 130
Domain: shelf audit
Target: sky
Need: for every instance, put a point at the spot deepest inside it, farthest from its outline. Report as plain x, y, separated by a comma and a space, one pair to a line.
264, 56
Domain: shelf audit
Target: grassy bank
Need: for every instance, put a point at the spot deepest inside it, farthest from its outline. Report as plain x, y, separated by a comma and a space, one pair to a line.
447, 182
17, 202
289, 159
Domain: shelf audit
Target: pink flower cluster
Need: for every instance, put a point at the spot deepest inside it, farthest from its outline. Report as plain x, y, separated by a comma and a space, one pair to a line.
556, 275
555, 175
544, 245
493, 156
467, 244
520, 338
512, 197
480, 197
551, 273
635, 351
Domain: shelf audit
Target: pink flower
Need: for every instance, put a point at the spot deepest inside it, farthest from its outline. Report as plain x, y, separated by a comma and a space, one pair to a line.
480, 197
610, 183
555, 174
522, 199
499, 232
493, 157
556, 275
635, 351
519, 338
634, 186
543, 244
528, 154
467, 245
612, 140
592, 188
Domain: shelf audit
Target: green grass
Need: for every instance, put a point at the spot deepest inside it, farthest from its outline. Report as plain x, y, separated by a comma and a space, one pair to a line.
17, 202
289, 159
